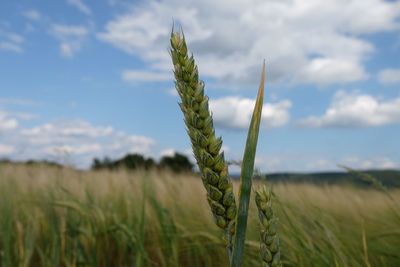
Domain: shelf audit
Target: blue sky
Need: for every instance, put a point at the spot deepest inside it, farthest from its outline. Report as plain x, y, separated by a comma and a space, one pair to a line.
81, 79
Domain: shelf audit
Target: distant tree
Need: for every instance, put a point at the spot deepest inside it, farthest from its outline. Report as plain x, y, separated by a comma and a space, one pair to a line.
5, 161
135, 161
130, 161
177, 163
105, 163
98, 164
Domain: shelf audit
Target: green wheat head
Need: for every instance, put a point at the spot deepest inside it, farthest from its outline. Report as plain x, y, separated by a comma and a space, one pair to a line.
269, 244
206, 146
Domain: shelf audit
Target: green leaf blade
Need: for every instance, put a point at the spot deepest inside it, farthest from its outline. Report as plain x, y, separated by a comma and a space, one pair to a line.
246, 176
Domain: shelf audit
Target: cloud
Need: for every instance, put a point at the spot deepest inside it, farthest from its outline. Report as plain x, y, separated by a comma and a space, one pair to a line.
295, 162
75, 150
10, 41
73, 142
45, 133
145, 76
67, 31
389, 76
71, 37
235, 112
25, 116
302, 41
370, 163
32, 14
173, 92
6, 122
7, 46
6, 150
69, 49
125, 143
324, 71
356, 110
81, 6
169, 152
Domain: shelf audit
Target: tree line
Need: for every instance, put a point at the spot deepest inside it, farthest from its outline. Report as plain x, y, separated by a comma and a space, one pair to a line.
177, 163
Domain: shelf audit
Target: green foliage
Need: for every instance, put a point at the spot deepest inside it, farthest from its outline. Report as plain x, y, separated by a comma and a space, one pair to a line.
130, 161
176, 163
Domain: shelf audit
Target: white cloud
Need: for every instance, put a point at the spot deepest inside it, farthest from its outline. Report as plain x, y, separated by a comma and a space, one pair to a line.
169, 152
66, 31
173, 92
356, 110
123, 3
235, 112
7, 46
67, 130
69, 49
268, 163
81, 6
125, 143
308, 41
327, 70
10, 119
145, 76
370, 163
73, 150
32, 14
7, 123
14, 38
72, 142
75, 142
6, 150
25, 116
295, 162
389, 76
321, 164
226, 149
71, 37
10, 41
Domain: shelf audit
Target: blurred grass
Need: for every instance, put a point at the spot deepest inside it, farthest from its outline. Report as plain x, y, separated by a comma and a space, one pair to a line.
61, 217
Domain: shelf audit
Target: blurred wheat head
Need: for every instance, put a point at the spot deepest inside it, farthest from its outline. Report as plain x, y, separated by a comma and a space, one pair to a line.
269, 245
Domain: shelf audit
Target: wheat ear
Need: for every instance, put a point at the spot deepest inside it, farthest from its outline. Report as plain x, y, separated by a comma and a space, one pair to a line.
206, 146
269, 244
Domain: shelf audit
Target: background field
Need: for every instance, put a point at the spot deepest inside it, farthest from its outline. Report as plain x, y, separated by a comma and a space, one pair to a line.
51, 216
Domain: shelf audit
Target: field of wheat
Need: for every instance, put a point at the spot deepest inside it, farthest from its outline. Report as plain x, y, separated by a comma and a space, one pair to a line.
53, 216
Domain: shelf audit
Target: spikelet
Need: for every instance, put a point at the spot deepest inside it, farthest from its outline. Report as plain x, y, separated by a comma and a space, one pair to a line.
269, 243
206, 146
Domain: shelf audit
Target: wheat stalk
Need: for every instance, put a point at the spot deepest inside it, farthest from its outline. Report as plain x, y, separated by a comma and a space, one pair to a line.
206, 146
269, 243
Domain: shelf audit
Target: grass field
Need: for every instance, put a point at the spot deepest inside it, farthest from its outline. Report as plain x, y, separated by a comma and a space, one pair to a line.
53, 216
